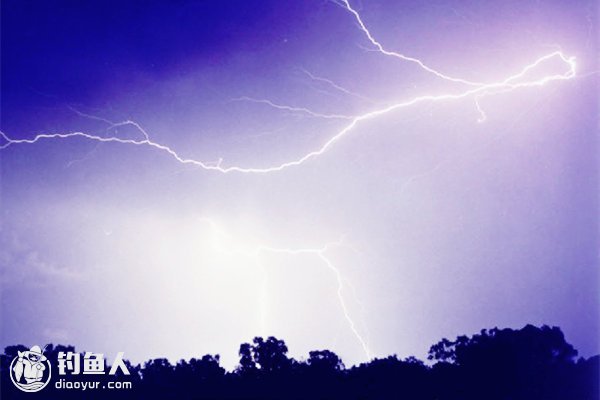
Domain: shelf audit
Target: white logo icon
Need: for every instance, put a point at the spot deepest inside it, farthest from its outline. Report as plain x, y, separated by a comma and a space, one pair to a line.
30, 370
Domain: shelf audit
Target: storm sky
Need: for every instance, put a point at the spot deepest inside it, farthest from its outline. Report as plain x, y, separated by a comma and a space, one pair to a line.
443, 218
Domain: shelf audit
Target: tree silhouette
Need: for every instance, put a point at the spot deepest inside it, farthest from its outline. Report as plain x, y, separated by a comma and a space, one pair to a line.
499, 363
270, 354
247, 364
533, 363
324, 361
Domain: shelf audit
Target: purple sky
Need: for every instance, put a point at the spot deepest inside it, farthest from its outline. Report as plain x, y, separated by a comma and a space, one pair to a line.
447, 224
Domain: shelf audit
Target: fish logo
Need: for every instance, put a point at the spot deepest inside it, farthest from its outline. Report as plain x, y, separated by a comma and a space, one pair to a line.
30, 370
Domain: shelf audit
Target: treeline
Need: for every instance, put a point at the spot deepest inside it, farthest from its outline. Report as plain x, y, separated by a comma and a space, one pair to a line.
498, 364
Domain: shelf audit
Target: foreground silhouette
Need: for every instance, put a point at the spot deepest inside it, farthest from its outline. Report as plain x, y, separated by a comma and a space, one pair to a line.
498, 364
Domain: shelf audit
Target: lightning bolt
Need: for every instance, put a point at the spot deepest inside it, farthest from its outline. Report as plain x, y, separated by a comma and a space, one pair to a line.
379, 47
334, 85
231, 246
301, 110
482, 114
509, 84
321, 254
477, 90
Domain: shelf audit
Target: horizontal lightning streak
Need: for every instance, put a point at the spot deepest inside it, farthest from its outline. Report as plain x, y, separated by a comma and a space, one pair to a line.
507, 85
335, 86
302, 110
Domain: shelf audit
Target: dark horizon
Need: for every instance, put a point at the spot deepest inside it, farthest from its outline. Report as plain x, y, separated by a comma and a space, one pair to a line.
469, 367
